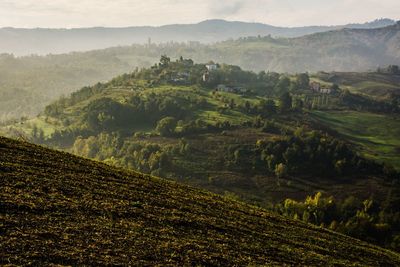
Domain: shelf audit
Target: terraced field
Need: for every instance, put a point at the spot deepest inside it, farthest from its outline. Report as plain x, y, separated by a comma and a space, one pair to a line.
59, 209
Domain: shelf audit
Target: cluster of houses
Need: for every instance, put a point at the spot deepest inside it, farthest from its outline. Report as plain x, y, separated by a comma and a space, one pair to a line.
180, 78
222, 87
316, 87
183, 77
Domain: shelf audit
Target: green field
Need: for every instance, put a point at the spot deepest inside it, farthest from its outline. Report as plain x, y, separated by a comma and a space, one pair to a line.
25, 128
376, 135
378, 89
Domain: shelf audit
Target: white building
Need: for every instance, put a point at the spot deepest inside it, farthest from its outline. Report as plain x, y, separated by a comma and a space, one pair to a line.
325, 91
221, 87
211, 67
316, 87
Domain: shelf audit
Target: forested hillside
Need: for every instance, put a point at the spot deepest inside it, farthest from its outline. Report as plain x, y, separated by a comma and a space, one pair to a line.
45, 41
28, 84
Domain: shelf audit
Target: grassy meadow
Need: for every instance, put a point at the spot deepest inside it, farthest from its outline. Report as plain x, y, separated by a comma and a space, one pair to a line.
376, 135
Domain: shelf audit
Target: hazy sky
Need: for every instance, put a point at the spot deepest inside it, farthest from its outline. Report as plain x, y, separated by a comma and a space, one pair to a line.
87, 13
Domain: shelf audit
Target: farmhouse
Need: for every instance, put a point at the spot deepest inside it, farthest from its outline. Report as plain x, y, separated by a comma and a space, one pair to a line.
180, 77
325, 90
223, 88
316, 87
211, 67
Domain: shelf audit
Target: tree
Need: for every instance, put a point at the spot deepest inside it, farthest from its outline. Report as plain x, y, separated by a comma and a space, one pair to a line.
302, 81
281, 170
393, 69
283, 84
247, 106
298, 104
285, 102
106, 114
164, 61
335, 87
232, 104
166, 126
340, 166
270, 127
35, 131
269, 107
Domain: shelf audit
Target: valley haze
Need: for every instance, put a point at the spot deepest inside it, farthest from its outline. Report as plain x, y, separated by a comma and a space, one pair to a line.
42, 41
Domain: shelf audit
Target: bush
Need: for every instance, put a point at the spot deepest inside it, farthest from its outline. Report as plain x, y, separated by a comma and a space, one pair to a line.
166, 126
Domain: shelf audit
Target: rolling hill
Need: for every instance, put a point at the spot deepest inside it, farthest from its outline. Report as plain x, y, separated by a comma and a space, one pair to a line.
56, 41
59, 209
28, 83
250, 140
221, 141
375, 135
338, 50
379, 85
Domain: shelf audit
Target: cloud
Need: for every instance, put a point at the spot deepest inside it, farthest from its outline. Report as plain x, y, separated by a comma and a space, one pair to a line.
225, 9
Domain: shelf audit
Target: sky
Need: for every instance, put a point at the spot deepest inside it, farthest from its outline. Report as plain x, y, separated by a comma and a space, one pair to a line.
121, 13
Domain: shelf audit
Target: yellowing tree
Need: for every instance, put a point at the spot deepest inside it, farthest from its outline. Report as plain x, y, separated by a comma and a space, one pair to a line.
281, 170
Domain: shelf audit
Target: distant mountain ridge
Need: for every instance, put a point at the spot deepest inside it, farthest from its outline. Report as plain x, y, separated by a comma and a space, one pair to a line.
44, 41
